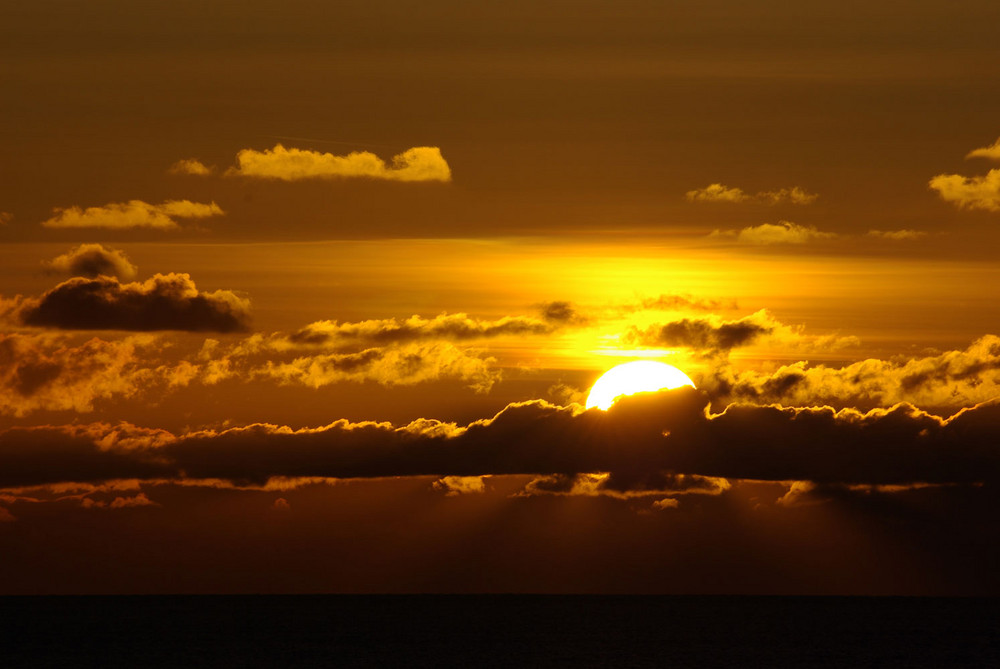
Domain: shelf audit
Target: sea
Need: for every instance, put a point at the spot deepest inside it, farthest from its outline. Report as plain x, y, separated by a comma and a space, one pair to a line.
497, 631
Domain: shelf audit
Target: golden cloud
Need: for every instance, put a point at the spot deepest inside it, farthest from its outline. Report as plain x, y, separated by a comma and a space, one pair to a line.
981, 192
991, 152
131, 214
720, 193
421, 163
785, 232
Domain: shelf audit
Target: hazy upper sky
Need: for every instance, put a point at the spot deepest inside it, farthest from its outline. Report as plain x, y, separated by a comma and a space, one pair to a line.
225, 227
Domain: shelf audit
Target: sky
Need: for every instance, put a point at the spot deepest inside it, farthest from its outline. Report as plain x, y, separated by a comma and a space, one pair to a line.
309, 296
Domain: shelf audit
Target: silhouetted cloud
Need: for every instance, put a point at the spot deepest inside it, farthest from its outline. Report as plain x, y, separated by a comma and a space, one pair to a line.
421, 163
131, 214
163, 302
92, 260
670, 432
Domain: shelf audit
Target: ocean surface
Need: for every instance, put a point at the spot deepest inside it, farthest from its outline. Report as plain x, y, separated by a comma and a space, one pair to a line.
497, 631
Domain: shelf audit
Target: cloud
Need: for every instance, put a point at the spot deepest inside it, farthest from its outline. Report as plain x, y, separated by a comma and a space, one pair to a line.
991, 152
969, 192
92, 260
625, 485
6, 217
950, 379
118, 502
444, 326
719, 193
131, 214
421, 163
390, 366
191, 166
163, 302
713, 336
453, 486
670, 432
785, 232
707, 334
897, 235
44, 372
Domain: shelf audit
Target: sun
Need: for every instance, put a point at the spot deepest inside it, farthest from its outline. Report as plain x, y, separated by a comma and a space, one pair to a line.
640, 376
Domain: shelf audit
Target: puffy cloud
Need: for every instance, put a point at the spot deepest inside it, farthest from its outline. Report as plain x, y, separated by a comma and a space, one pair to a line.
6, 217
991, 152
91, 260
949, 379
671, 432
719, 193
453, 486
118, 502
44, 373
784, 232
421, 163
131, 214
969, 192
191, 166
163, 302
897, 235
444, 326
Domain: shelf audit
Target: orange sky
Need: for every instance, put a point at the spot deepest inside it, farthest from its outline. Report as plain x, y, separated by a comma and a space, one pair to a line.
224, 228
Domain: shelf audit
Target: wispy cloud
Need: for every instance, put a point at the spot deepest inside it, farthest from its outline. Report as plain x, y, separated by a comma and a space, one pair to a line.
784, 232
981, 192
132, 214
720, 193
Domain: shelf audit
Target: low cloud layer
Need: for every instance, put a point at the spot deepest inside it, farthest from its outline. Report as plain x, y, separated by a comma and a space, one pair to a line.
163, 302
719, 193
421, 163
784, 232
664, 432
132, 214
93, 260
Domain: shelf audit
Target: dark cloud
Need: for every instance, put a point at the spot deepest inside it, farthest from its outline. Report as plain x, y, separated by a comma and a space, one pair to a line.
669, 432
164, 302
704, 333
92, 260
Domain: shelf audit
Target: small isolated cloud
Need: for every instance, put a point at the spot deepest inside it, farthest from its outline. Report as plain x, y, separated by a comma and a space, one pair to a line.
92, 260
118, 502
453, 486
6, 217
163, 302
666, 503
721, 193
784, 232
421, 163
969, 192
991, 152
281, 504
191, 166
897, 235
131, 214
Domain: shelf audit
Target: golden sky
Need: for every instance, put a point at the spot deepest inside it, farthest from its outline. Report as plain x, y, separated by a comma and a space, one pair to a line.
308, 296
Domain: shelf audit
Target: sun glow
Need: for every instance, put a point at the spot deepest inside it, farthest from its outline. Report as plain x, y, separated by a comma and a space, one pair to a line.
640, 376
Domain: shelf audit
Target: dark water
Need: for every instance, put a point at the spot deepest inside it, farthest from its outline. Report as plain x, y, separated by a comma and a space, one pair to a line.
497, 631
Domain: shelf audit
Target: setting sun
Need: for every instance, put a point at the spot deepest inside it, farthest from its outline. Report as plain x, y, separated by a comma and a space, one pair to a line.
640, 376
